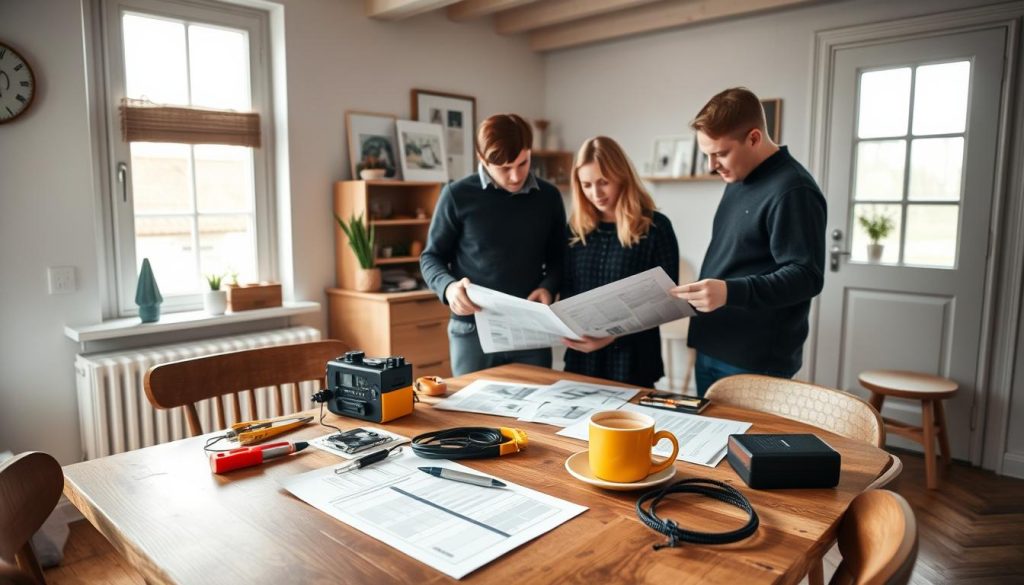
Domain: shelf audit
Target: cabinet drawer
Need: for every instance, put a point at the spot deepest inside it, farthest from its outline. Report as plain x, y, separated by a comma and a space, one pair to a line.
441, 368
417, 311
421, 343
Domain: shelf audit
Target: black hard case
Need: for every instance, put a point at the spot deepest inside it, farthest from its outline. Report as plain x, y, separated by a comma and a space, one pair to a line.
784, 461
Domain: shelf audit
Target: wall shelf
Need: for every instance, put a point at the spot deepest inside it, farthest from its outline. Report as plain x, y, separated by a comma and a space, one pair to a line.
396, 260
396, 222
687, 179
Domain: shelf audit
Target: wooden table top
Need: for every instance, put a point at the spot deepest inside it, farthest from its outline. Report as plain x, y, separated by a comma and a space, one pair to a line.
906, 384
176, 522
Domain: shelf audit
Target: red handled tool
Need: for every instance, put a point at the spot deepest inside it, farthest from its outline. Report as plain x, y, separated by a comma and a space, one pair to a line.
225, 461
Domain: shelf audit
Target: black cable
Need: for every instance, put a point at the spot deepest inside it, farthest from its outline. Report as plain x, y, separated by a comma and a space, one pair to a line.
459, 443
708, 487
322, 423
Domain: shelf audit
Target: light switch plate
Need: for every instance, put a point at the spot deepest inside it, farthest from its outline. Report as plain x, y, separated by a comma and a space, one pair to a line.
62, 280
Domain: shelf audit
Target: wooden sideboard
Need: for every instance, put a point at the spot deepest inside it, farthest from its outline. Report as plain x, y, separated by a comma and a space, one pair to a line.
410, 324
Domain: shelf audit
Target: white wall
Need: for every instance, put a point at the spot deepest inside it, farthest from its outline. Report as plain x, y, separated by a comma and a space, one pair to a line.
336, 59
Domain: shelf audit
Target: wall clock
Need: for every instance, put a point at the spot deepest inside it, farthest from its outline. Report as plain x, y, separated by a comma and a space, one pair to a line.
17, 84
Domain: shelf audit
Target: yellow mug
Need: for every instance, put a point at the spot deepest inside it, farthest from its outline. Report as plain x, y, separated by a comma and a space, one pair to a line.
620, 446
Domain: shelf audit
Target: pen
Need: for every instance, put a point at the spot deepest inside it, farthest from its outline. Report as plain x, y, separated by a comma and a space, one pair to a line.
225, 461
671, 402
368, 459
469, 478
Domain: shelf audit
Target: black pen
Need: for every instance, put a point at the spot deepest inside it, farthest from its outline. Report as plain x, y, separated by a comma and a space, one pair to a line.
463, 477
369, 459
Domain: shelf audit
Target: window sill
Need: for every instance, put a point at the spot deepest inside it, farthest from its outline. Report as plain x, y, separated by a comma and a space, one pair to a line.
131, 327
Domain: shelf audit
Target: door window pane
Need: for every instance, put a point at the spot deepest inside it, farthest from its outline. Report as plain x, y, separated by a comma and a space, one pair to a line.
224, 176
155, 60
167, 242
931, 235
226, 244
879, 172
161, 181
860, 240
884, 103
936, 165
219, 60
940, 98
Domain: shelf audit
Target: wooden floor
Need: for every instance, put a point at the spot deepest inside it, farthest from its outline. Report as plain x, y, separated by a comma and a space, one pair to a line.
971, 532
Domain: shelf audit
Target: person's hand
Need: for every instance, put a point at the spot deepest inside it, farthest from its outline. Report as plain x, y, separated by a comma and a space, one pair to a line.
588, 344
540, 295
705, 295
458, 300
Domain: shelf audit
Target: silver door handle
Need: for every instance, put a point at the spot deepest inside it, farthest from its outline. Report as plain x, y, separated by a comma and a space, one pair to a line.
833, 257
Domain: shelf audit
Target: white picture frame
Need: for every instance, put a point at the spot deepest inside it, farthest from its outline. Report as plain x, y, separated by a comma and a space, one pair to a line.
422, 151
457, 116
372, 134
673, 155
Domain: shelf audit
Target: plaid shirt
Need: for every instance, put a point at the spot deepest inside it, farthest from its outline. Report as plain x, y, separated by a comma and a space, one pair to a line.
632, 359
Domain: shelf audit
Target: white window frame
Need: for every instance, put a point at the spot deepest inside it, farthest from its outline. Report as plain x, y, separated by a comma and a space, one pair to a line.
116, 156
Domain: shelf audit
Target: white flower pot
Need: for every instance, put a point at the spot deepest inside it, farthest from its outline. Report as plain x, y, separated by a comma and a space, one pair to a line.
875, 252
215, 302
373, 174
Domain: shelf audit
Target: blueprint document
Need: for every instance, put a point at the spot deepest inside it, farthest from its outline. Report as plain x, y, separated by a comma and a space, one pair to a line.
451, 526
636, 303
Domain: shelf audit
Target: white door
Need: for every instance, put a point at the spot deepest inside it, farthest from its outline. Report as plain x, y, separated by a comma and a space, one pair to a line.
913, 134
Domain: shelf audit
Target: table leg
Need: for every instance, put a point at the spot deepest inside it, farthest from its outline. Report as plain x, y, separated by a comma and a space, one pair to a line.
877, 400
940, 419
928, 422
816, 574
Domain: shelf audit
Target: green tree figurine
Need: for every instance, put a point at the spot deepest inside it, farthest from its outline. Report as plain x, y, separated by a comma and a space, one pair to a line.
147, 294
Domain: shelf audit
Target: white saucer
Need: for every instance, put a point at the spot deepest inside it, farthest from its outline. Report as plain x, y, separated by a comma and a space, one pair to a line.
578, 466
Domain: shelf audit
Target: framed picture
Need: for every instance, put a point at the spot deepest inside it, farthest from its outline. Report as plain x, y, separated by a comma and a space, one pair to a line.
773, 118
372, 143
423, 155
456, 114
673, 156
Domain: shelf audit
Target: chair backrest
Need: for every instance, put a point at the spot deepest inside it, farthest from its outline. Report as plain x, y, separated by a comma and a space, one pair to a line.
185, 382
839, 412
878, 541
891, 472
30, 486
12, 575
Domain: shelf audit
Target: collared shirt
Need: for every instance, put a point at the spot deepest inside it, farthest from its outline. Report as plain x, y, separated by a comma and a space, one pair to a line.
486, 181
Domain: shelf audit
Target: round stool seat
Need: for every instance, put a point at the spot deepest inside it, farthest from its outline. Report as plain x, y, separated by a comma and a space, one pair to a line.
904, 384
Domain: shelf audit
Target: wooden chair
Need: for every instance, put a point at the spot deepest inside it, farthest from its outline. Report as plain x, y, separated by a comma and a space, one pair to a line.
12, 575
676, 332
30, 487
186, 382
878, 540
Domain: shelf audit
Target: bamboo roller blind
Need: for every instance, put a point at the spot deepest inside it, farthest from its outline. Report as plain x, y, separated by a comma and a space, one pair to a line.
144, 121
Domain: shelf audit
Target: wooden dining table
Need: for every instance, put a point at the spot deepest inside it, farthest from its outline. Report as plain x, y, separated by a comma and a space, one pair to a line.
176, 522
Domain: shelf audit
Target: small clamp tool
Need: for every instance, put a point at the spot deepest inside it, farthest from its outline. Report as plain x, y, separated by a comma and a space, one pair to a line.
254, 431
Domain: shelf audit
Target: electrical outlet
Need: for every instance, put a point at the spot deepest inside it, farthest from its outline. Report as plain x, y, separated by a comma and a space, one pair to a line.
62, 280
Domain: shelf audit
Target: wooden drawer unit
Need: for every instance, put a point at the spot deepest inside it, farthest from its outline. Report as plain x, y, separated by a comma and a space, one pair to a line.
410, 324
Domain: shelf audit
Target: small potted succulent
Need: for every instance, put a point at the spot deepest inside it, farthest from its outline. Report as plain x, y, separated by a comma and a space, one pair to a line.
361, 240
373, 168
215, 301
878, 226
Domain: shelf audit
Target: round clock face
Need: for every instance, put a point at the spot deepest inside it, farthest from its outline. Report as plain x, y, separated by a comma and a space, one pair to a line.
17, 84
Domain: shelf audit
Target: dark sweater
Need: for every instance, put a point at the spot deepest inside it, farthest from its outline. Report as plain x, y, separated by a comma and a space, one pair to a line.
768, 245
508, 242
633, 359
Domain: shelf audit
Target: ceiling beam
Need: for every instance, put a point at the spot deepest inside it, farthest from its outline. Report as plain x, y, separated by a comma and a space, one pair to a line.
552, 12
655, 17
471, 9
399, 9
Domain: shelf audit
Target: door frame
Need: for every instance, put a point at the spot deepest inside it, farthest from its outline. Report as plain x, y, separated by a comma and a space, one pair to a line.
1004, 282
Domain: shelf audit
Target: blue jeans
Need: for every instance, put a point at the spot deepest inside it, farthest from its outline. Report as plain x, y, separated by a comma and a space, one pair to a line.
708, 370
467, 355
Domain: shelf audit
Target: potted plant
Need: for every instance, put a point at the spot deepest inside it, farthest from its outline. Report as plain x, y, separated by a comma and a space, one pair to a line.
361, 240
215, 301
878, 226
373, 168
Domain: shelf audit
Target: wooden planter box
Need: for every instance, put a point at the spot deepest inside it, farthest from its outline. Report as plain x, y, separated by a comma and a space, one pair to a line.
245, 297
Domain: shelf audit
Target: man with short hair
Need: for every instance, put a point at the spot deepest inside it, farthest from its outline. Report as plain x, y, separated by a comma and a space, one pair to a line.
766, 259
502, 228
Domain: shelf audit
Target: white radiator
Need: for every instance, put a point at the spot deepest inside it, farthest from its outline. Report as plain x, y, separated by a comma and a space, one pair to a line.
116, 416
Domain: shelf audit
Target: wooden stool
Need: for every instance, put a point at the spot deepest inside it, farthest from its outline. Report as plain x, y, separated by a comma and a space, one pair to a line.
931, 391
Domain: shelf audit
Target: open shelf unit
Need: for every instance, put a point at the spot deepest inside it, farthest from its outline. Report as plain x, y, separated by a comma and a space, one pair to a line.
687, 179
554, 166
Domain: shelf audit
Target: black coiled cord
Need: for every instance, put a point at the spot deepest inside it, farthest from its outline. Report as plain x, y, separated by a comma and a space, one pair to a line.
708, 487
459, 443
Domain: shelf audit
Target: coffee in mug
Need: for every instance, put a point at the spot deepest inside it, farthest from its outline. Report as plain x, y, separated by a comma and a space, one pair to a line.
620, 446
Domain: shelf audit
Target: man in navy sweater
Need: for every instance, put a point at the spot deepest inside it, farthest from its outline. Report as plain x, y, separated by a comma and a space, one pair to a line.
502, 228
766, 259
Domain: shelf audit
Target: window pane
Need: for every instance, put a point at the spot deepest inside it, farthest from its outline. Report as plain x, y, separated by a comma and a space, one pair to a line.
219, 60
224, 177
154, 60
228, 245
931, 235
935, 168
161, 182
879, 172
860, 241
167, 242
940, 98
884, 103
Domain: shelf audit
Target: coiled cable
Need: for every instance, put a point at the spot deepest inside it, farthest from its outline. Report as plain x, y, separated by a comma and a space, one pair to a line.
707, 487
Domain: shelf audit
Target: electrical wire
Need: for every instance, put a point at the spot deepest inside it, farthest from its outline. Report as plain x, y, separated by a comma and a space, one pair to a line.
708, 487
